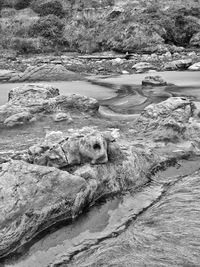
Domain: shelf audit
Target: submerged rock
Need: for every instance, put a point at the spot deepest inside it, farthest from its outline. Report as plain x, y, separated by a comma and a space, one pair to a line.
154, 81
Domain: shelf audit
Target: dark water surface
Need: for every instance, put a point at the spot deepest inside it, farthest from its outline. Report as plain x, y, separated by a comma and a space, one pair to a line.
159, 225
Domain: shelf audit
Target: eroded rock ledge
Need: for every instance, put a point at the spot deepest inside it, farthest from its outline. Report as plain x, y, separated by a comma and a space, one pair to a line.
56, 178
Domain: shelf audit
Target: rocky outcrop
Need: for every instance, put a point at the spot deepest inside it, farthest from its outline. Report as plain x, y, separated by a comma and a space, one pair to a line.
42, 98
154, 81
180, 64
35, 197
45, 72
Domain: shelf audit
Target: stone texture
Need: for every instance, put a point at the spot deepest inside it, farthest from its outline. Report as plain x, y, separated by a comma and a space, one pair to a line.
46, 72
69, 151
42, 98
154, 81
178, 64
18, 119
143, 66
195, 40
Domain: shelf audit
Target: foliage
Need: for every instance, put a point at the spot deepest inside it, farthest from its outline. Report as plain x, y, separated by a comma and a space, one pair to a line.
47, 7
50, 27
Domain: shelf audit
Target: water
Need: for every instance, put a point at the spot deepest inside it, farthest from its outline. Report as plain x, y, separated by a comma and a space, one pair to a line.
156, 226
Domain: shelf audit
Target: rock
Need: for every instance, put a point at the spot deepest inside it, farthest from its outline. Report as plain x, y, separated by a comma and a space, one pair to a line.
125, 72
115, 12
46, 72
40, 99
62, 117
154, 81
192, 54
195, 40
178, 64
32, 94
33, 198
6, 75
195, 66
143, 66
167, 120
18, 119
70, 151
168, 56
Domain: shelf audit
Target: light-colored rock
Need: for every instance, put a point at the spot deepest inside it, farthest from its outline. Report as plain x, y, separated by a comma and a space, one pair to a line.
178, 64
143, 66
62, 117
46, 72
18, 119
6, 75
42, 98
71, 151
195, 66
154, 81
168, 55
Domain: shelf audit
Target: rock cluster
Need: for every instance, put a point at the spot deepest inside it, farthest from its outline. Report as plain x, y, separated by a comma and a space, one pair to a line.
29, 100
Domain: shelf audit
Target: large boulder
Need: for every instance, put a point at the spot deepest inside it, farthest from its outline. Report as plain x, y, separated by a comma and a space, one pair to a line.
46, 72
42, 98
167, 120
6, 75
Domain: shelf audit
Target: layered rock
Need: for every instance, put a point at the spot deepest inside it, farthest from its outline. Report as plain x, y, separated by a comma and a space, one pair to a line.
143, 66
45, 72
41, 98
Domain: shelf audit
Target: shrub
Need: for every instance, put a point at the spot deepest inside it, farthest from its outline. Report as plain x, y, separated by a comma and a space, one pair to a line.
50, 27
47, 7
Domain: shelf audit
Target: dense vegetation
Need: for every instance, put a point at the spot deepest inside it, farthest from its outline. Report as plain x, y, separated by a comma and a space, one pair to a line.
34, 26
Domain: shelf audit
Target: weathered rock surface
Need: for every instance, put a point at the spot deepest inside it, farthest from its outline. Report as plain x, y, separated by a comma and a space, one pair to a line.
154, 80
41, 98
195, 66
69, 151
18, 119
180, 64
6, 75
46, 72
35, 197
143, 66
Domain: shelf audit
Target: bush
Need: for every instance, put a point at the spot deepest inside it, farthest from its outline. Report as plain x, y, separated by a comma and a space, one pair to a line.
50, 27
47, 7
21, 4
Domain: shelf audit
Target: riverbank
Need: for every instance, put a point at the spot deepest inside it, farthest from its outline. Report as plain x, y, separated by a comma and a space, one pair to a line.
72, 66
